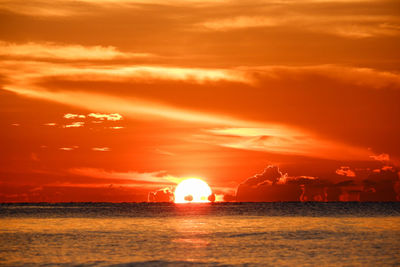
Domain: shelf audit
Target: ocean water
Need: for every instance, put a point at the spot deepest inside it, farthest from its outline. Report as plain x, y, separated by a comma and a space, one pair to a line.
218, 234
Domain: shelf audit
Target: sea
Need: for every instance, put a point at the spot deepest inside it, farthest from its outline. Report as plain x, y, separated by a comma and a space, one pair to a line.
208, 234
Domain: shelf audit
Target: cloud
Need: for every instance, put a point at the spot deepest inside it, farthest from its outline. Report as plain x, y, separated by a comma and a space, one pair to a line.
68, 148
345, 171
364, 31
149, 73
381, 157
159, 177
116, 127
38, 8
74, 116
239, 23
382, 186
109, 117
161, 195
257, 136
29, 79
103, 149
166, 2
75, 124
30, 72
273, 185
265, 187
129, 106
164, 152
181, 81
63, 8
270, 175
359, 76
66, 52
228, 198
75, 192
387, 168
99, 116
282, 140
359, 24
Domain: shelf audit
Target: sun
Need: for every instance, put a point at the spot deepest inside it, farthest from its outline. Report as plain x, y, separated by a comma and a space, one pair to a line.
192, 190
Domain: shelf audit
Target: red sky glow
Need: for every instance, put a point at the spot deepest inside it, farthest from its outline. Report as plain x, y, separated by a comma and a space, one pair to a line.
265, 100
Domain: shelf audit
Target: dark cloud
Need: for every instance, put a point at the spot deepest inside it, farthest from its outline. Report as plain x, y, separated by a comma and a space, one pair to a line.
345, 171
162, 195
381, 186
272, 185
229, 198
271, 174
69, 193
265, 187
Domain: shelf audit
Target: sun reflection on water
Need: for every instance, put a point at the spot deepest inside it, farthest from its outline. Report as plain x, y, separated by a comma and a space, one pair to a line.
199, 233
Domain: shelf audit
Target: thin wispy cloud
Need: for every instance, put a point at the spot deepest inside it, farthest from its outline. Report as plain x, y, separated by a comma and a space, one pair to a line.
345, 26
65, 8
131, 107
101, 149
164, 152
38, 7
240, 22
68, 148
295, 141
74, 116
367, 77
282, 140
160, 177
76, 124
109, 117
345, 171
68, 8
346, 19
116, 127
35, 71
64, 51
381, 157
19, 74
257, 136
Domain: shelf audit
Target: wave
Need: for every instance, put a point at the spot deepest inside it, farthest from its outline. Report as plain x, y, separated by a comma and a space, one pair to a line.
165, 263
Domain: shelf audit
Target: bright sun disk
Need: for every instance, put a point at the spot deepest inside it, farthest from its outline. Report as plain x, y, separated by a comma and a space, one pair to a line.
192, 190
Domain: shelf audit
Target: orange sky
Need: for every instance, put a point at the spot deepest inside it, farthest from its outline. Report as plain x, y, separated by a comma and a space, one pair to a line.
109, 100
